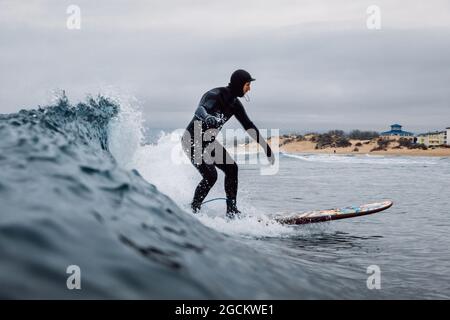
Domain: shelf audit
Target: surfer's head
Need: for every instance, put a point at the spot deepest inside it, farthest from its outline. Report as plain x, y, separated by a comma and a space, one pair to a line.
240, 82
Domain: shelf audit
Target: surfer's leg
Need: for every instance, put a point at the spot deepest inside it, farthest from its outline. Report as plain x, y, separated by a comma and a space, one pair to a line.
230, 168
209, 174
231, 179
208, 171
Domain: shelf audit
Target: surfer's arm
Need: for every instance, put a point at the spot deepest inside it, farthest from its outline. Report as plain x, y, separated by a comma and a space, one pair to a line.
251, 129
206, 105
201, 113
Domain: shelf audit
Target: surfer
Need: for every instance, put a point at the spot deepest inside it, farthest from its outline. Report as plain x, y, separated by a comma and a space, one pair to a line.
215, 108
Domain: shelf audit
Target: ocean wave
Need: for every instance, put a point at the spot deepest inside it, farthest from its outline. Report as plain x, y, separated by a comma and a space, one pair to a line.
79, 187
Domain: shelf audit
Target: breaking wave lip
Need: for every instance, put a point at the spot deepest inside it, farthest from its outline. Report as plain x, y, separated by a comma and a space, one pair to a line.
362, 159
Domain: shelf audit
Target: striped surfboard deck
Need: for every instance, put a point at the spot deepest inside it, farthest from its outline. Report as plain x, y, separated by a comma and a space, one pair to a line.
332, 214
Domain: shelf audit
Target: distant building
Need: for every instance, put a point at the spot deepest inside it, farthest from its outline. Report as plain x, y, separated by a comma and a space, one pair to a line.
448, 136
397, 132
436, 138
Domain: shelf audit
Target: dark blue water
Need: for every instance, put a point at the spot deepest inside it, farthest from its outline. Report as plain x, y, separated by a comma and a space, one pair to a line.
79, 187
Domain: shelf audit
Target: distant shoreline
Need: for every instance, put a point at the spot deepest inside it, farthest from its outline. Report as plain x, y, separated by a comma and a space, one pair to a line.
363, 147
374, 153
309, 147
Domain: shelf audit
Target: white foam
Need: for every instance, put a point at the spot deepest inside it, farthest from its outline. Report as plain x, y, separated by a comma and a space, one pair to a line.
247, 226
254, 222
362, 159
126, 133
166, 166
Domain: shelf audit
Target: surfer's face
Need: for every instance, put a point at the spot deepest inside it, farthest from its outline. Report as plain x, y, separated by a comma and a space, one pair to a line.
246, 87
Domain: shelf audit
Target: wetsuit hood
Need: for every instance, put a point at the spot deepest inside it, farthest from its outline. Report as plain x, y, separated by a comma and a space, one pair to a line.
237, 81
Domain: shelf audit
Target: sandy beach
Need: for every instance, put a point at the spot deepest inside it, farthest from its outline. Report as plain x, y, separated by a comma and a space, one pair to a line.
362, 147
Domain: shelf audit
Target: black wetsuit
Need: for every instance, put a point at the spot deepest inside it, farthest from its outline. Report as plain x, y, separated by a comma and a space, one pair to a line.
221, 103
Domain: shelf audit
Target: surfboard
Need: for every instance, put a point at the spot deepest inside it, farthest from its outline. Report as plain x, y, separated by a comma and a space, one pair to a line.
332, 214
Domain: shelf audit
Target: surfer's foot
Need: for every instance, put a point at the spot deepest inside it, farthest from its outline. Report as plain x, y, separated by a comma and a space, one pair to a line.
233, 215
232, 210
195, 207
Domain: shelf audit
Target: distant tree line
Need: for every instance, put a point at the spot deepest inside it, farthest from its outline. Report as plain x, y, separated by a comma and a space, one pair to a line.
333, 138
363, 135
341, 139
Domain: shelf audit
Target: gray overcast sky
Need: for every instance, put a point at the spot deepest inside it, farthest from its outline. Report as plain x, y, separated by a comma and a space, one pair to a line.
317, 65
